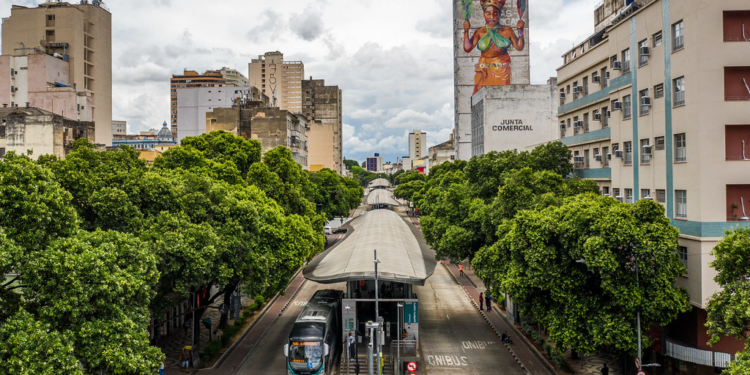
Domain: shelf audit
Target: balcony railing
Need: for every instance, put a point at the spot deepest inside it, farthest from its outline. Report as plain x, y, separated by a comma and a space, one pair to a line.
699, 356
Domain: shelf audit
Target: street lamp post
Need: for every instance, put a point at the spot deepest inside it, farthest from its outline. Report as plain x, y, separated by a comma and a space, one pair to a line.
398, 333
377, 311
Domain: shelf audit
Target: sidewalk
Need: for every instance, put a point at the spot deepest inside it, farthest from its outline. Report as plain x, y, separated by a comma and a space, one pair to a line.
533, 362
235, 356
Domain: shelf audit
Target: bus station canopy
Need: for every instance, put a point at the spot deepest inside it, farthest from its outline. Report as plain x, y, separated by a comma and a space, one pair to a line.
381, 196
403, 258
380, 183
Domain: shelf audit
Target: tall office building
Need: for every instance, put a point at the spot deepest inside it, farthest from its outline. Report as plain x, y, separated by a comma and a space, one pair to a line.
417, 144
191, 79
233, 77
280, 80
322, 107
655, 105
80, 33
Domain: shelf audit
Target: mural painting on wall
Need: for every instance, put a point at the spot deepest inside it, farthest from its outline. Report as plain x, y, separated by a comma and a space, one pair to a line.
493, 40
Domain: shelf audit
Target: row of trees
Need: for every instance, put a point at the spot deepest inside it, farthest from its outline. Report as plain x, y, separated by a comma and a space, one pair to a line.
98, 242
564, 253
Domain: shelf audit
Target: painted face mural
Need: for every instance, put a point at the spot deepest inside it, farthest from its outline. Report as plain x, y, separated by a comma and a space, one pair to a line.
493, 40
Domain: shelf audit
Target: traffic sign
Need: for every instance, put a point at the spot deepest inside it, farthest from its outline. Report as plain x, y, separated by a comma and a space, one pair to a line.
641, 373
412, 366
637, 362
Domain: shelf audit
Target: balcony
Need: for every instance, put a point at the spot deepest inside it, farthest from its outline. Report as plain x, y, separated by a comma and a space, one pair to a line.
698, 356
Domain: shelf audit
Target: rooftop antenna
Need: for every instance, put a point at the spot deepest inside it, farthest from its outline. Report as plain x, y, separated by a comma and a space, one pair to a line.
744, 215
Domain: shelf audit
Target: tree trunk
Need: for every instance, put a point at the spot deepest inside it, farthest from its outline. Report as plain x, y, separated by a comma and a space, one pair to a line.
228, 290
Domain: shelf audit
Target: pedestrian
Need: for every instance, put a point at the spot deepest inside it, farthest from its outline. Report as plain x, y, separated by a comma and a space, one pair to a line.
351, 346
163, 364
488, 301
185, 359
185, 326
481, 302
605, 370
461, 269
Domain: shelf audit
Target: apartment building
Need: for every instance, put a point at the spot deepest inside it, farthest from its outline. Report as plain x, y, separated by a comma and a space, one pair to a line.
417, 144
194, 103
322, 107
374, 163
78, 33
656, 105
190, 79
35, 132
278, 79
442, 152
233, 77
119, 127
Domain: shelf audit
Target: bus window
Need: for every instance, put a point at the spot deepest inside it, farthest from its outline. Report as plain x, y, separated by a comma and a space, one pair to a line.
305, 354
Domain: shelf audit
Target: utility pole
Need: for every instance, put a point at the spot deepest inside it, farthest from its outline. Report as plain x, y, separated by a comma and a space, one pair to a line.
377, 311
398, 333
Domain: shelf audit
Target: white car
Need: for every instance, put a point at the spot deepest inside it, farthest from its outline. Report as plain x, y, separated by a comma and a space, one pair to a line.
327, 230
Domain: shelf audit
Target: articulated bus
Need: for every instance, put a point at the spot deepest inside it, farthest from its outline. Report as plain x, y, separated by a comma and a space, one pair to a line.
316, 335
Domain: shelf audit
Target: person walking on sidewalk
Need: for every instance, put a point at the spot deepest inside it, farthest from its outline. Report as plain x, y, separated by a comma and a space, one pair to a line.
185, 359
461, 270
481, 301
488, 301
605, 370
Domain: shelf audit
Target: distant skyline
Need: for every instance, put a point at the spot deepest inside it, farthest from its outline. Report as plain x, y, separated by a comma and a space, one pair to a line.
392, 59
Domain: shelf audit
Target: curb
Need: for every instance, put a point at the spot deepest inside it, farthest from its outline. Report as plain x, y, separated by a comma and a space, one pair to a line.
474, 303
262, 313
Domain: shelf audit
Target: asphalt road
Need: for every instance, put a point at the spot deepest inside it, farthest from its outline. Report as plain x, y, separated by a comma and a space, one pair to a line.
268, 356
455, 339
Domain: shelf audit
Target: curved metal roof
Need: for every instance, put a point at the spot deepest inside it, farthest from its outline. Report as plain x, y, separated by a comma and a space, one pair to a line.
380, 182
381, 196
403, 257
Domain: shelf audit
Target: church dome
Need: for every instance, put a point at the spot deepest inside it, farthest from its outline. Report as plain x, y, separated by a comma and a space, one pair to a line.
164, 133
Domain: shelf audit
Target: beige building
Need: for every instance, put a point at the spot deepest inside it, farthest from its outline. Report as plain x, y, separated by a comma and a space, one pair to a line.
417, 144
655, 105
34, 132
325, 117
190, 79
271, 126
442, 152
43, 81
119, 128
233, 77
81, 34
278, 79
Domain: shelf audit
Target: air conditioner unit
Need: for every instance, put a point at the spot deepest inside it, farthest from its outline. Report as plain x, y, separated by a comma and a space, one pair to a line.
647, 149
617, 105
562, 125
597, 117
578, 159
645, 51
580, 89
618, 154
598, 157
608, 114
562, 95
575, 89
609, 156
645, 159
578, 124
606, 75
645, 101
606, 195
619, 198
617, 65
596, 79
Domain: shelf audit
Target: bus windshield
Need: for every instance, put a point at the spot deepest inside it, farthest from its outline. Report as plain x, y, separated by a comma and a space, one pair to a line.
305, 354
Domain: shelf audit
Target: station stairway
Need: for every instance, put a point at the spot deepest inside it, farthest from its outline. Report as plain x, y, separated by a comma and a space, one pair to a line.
387, 370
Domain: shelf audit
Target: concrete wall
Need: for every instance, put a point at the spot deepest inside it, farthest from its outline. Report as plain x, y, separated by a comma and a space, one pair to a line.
323, 108
517, 115
194, 103
464, 65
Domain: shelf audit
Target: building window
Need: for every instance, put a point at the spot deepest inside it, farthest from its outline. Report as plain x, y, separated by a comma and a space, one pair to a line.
645, 193
659, 143
575, 90
682, 253
642, 46
645, 151
680, 148
661, 196
627, 107
605, 190
679, 91
644, 107
678, 36
657, 39
586, 158
585, 122
681, 204
605, 118
606, 156
616, 193
628, 195
585, 85
50, 36
659, 91
626, 61
604, 77
628, 152
576, 128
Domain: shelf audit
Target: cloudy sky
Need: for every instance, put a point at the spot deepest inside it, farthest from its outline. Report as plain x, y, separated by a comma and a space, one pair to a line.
392, 58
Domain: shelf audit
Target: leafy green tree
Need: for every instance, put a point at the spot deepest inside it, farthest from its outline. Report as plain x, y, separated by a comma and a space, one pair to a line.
335, 196
407, 177
409, 190
729, 309
222, 147
572, 269
349, 163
